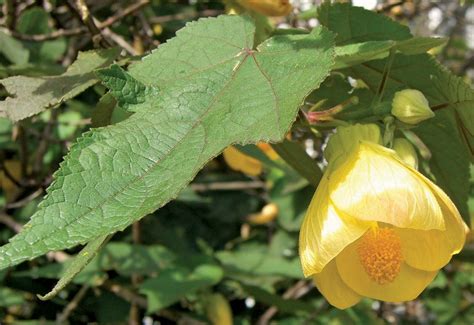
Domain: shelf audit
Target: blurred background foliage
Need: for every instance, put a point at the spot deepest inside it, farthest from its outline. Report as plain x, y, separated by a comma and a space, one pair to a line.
229, 241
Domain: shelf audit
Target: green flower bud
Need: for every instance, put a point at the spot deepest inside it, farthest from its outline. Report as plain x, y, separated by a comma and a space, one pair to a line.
406, 152
411, 106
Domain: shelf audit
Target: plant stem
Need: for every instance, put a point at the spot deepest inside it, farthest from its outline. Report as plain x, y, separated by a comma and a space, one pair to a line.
383, 82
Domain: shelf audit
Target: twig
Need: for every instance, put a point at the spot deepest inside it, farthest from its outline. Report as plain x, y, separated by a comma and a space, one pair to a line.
127, 11
73, 48
72, 305
7, 173
227, 186
146, 25
125, 294
298, 290
88, 19
10, 222
44, 143
46, 37
24, 5
78, 30
23, 150
25, 201
134, 315
10, 17
119, 40
47, 6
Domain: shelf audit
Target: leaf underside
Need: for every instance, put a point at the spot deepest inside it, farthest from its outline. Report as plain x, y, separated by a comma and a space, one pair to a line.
202, 91
32, 95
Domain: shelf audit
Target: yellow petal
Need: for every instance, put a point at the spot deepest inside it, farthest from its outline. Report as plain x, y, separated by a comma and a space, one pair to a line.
373, 184
347, 139
409, 283
269, 213
268, 150
241, 162
331, 286
218, 310
324, 232
430, 250
449, 208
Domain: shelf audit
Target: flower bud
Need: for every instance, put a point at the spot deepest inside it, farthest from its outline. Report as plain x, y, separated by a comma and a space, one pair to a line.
268, 7
269, 213
411, 106
406, 152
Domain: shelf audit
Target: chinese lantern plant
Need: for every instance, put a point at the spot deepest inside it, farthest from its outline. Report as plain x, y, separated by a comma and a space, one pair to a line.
377, 227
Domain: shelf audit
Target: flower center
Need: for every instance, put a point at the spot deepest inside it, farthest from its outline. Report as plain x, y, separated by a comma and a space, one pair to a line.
380, 253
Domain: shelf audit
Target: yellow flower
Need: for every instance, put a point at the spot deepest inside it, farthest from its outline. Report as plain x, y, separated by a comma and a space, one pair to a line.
241, 162
375, 227
268, 7
11, 190
268, 214
218, 310
268, 150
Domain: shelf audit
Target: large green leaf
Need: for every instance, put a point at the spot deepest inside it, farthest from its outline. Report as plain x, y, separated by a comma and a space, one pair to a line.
205, 89
32, 95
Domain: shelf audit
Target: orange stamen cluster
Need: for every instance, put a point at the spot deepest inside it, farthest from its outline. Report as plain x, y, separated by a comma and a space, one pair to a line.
380, 253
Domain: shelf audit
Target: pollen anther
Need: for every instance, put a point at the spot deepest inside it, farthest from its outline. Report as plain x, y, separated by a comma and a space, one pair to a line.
380, 254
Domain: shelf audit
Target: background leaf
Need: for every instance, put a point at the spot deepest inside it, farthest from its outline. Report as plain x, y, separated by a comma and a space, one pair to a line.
357, 25
13, 49
32, 95
172, 285
36, 21
356, 53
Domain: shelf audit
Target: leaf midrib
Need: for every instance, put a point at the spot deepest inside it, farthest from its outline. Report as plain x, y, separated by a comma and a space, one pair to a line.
155, 165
